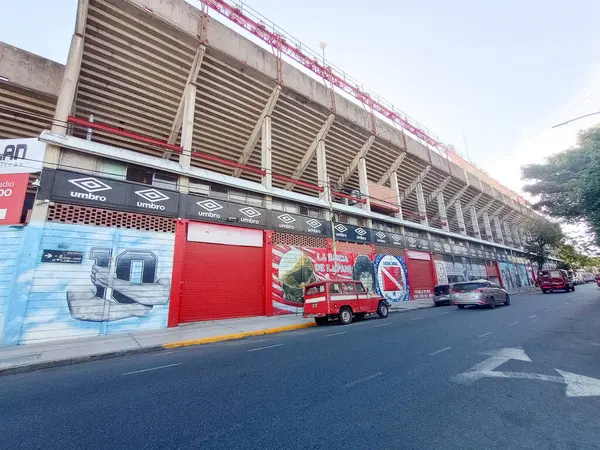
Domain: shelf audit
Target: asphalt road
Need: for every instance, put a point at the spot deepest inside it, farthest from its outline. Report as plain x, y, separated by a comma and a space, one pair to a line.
376, 384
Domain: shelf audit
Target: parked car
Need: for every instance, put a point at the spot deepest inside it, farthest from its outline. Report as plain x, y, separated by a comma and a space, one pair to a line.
551, 280
343, 300
577, 281
478, 293
441, 294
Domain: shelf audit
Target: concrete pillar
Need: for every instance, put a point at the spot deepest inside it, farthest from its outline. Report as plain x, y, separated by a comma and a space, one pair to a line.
395, 187
266, 154
364, 183
474, 222
323, 179
508, 236
187, 134
498, 228
421, 205
442, 211
460, 218
487, 226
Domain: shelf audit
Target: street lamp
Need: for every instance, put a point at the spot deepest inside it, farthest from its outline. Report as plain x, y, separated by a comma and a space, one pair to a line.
323, 46
573, 120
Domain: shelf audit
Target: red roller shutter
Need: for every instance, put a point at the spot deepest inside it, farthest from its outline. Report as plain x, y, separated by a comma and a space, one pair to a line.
221, 281
420, 274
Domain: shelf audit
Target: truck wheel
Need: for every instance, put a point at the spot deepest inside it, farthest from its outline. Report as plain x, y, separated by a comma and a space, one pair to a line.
382, 310
345, 315
322, 320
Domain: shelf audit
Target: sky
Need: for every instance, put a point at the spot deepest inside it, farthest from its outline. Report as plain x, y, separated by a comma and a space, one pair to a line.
494, 75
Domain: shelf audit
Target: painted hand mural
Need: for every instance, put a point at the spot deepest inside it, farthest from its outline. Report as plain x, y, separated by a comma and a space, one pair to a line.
131, 291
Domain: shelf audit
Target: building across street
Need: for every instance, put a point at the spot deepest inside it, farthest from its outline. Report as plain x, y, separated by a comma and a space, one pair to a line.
175, 171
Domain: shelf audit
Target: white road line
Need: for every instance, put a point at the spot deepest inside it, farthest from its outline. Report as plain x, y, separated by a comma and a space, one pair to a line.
263, 348
152, 368
447, 312
532, 316
382, 325
547, 310
512, 324
160, 354
417, 318
362, 380
335, 334
437, 352
485, 334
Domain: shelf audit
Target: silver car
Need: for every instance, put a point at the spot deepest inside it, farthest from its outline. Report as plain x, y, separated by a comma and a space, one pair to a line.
478, 293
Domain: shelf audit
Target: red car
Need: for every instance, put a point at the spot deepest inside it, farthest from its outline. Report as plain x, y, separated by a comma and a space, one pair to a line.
554, 279
341, 299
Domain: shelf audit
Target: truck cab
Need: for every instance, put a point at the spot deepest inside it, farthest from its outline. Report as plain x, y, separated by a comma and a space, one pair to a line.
555, 279
341, 299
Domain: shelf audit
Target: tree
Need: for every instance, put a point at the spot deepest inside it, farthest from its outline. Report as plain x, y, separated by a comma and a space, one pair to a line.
541, 236
567, 184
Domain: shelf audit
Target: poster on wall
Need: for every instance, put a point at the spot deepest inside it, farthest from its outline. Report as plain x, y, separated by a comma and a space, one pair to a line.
392, 278
13, 187
441, 273
295, 267
120, 281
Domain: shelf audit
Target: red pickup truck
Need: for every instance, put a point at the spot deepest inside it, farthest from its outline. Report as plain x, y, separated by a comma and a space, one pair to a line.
341, 299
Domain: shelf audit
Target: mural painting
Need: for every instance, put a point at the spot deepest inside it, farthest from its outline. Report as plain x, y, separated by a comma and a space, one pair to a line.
441, 272
87, 281
392, 278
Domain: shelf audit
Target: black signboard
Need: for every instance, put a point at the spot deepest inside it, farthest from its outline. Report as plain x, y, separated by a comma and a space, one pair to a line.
106, 193
62, 256
441, 247
220, 211
416, 243
386, 238
351, 233
293, 223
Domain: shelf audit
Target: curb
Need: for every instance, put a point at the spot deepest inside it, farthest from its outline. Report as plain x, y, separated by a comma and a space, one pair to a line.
77, 360
229, 337
155, 348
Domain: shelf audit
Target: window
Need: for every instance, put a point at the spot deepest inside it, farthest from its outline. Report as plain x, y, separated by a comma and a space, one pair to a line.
199, 188
360, 288
335, 288
312, 212
114, 169
315, 289
348, 288
165, 180
466, 287
139, 175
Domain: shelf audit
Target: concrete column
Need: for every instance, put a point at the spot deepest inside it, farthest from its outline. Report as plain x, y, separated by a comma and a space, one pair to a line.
487, 226
187, 134
421, 205
364, 183
442, 211
394, 184
322, 170
508, 236
266, 154
460, 218
68, 86
498, 228
474, 222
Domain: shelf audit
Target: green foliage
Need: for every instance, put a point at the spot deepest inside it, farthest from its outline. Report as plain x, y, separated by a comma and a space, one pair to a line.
568, 184
542, 235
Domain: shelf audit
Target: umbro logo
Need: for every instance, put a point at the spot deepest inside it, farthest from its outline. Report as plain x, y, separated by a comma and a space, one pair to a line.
91, 186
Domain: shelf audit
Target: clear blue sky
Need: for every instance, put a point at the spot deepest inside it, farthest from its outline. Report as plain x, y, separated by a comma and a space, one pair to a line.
497, 71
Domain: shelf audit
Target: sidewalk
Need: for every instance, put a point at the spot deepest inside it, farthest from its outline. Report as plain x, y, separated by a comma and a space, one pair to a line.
30, 357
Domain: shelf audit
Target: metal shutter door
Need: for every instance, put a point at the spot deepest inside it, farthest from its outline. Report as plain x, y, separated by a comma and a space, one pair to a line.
420, 276
221, 282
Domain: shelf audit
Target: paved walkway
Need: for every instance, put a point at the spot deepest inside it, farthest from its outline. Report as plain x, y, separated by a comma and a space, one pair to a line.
57, 353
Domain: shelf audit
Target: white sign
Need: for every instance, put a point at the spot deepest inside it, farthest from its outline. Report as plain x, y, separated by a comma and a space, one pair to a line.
418, 255
21, 155
576, 385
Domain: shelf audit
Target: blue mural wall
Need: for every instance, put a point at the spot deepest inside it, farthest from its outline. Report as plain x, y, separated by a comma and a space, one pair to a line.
10, 250
391, 275
82, 280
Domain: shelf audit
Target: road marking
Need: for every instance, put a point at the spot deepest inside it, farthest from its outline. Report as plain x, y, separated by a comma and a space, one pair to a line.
512, 324
447, 312
485, 334
532, 316
437, 352
547, 310
335, 334
382, 325
160, 354
417, 318
152, 368
362, 380
263, 348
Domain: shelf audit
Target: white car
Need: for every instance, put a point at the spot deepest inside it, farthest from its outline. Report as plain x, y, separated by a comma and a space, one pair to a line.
478, 293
